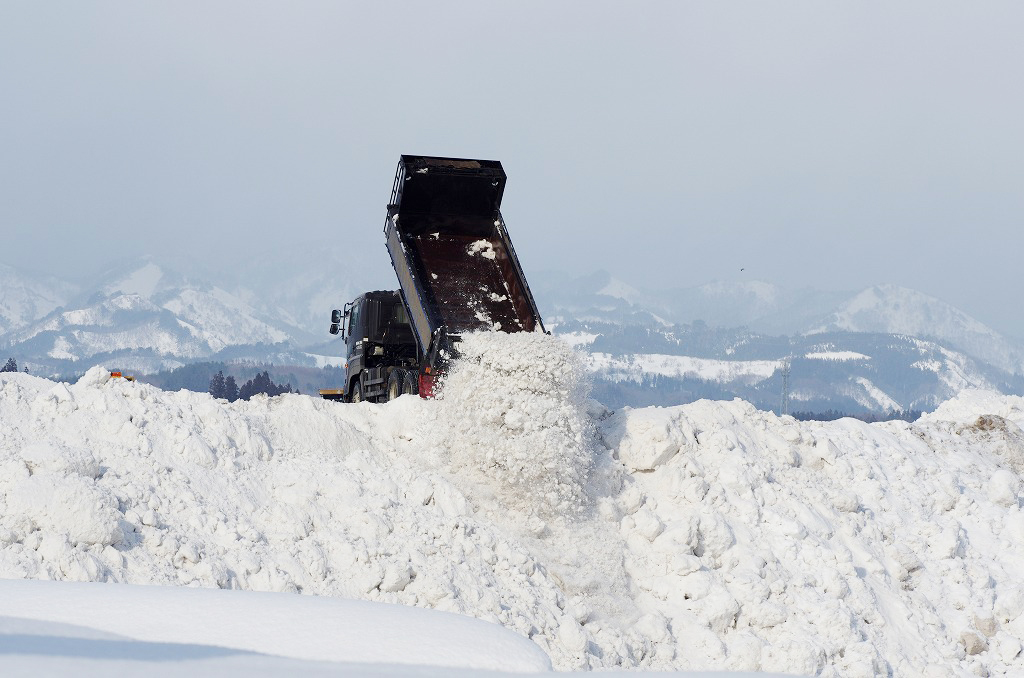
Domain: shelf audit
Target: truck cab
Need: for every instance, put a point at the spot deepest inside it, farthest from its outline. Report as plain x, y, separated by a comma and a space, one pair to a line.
381, 357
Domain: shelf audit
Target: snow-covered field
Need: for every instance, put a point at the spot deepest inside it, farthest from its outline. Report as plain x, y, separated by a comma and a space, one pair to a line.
635, 365
709, 536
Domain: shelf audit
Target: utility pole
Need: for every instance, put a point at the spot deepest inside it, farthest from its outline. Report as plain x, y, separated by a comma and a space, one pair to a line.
784, 408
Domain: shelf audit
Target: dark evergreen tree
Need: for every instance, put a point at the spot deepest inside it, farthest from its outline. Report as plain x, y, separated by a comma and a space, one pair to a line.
250, 387
11, 366
217, 386
25, 370
262, 383
230, 389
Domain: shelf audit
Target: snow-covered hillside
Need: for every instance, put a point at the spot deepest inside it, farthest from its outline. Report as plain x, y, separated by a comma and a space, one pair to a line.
709, 535
853, 372
300, 284
898, 310
26, 297
647, 347
770, 309
143, 318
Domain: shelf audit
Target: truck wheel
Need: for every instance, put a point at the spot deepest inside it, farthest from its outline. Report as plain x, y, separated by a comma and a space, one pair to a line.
357, 393
409, 385
395, 381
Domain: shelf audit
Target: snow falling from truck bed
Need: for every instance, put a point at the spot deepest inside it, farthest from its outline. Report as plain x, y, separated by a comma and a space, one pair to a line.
709, 535
512, 416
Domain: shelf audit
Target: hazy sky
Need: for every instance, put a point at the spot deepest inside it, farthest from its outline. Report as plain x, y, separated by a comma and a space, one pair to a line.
825, 144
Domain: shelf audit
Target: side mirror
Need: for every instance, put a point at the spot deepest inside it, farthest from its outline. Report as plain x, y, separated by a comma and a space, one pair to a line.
335, 328
335, 318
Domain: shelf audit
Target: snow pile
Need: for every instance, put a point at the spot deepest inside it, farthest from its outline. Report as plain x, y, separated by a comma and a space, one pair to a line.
512, 415
706, 536
288, 493
989, 418
830, 547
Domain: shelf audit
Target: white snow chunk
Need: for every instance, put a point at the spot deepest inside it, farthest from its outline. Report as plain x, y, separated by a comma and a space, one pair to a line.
484, 248
94, 376
72, 506
1004, 488
644, 439
62, 460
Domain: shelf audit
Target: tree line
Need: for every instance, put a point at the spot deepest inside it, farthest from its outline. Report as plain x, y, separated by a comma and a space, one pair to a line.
868, 417
227, 388
12, 366
198, 376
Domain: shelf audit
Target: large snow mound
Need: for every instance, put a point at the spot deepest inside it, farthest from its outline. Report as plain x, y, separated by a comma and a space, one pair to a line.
705, 536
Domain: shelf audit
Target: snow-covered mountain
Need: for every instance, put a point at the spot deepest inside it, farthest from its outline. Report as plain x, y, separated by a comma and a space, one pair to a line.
660, 347
144, 318
769, 309
300, 284
898, 310
662, 364
599, 296
26, 297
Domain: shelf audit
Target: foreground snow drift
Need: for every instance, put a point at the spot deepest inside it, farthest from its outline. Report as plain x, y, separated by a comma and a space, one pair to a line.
173, 632
206, 624
704, 536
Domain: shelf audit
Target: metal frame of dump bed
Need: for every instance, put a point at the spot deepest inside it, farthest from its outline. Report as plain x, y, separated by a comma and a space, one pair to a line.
450, 249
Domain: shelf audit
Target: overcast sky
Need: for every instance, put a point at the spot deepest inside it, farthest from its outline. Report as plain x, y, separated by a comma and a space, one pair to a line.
833, 145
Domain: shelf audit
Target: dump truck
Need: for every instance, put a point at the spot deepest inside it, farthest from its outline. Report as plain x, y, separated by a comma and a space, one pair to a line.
457, 272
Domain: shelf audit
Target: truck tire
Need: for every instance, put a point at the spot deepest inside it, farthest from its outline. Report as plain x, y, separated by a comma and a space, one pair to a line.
395, 384
357, 393
409, 384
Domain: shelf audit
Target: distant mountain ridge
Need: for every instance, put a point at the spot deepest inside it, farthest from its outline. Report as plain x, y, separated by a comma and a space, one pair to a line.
898, 310
144, 318
882, 347
766, 308
26, 296
650, 363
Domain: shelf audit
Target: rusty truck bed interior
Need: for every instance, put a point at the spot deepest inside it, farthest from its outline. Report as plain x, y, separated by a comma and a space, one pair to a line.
478, 288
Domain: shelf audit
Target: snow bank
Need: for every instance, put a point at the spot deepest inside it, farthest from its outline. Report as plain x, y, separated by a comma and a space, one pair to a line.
834, 548
706, 536
41, 649
278, 494
973, 403
300, 627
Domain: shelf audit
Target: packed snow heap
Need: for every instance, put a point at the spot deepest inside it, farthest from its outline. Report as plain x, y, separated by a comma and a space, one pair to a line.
709, 535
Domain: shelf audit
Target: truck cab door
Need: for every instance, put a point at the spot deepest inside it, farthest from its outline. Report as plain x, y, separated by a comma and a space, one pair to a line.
352, 333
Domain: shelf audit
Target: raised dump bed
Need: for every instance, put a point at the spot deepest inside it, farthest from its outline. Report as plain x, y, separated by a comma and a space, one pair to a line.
455, 263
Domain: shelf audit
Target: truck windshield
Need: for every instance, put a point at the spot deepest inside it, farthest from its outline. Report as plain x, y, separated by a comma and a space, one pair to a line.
353, 321
398, 314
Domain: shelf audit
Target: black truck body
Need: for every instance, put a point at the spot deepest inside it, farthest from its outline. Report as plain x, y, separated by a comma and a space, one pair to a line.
457, 272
